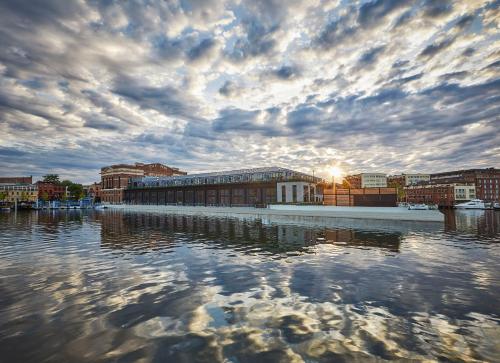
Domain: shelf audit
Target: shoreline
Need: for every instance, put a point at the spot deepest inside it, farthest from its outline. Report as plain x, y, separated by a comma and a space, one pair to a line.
359, 213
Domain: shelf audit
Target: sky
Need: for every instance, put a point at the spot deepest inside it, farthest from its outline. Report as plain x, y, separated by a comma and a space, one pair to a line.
206, 85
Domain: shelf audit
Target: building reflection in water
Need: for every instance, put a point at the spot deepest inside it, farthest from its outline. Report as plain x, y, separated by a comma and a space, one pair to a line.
483, 223
153, 231
149, 287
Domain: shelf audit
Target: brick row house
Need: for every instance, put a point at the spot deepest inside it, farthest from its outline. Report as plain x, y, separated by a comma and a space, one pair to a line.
486, 181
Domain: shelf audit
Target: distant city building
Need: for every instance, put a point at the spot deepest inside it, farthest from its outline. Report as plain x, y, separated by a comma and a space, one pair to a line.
115, 178
408, 179
367, 180
244, 187
16, 180
93, 191
403, 180
19, 192
487, 181
444, 195
354, 181
50, 191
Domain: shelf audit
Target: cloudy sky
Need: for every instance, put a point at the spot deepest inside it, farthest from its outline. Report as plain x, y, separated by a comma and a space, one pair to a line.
381, 85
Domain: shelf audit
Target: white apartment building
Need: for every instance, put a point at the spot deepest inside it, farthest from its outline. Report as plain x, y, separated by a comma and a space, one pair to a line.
414, 179
464, 192
373, 180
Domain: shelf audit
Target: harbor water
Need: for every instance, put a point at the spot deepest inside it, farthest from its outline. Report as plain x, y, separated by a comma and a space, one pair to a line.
122, 286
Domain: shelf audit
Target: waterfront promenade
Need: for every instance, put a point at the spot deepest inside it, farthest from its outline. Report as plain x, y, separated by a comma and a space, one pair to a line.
364, 213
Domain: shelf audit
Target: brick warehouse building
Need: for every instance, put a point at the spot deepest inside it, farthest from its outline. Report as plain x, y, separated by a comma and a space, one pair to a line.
245, 187
443, 195
115, 178
50, 191
487, 181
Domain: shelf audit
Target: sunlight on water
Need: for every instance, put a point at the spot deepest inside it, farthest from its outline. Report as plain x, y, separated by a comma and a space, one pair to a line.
130, 287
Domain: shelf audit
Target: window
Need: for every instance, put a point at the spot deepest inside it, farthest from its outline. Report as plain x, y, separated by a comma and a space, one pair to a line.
294, 193
283, 194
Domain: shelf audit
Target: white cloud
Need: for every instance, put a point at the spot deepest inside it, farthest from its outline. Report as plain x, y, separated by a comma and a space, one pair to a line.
359, 84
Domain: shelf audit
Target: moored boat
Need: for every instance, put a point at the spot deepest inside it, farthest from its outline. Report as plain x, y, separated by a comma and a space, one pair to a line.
472, 204
418, 207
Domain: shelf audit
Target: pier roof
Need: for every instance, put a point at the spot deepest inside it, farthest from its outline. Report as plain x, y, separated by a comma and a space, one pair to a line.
263, 174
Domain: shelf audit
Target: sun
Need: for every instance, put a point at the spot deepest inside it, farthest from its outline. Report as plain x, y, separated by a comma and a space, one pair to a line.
336, 172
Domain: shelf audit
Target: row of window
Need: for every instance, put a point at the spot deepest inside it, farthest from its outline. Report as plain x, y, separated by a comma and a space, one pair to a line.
221, 179
18, 187
24, 192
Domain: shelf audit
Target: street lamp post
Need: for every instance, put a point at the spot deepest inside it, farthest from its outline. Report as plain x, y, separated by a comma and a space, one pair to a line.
334, 189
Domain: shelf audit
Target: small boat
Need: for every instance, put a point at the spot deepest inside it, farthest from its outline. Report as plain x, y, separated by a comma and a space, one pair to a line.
472, 204
418, 207
99, 206
496, 206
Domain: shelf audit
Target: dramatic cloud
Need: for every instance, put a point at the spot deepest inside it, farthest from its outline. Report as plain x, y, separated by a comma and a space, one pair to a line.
374, 85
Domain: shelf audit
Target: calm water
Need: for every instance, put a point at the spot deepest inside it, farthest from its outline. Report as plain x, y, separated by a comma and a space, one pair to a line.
127, 287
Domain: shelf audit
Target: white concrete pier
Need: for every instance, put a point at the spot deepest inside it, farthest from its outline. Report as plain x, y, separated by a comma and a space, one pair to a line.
364, 213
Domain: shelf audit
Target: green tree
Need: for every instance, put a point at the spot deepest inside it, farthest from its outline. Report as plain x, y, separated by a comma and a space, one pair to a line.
51, 178
66, 183
399, 190
75, 190
3, 195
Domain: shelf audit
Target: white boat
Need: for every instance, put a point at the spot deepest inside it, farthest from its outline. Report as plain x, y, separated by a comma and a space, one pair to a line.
99, 207
472, 204
496, 206
418, 207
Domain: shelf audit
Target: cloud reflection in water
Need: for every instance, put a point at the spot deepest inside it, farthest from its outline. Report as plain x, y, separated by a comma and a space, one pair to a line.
143, 287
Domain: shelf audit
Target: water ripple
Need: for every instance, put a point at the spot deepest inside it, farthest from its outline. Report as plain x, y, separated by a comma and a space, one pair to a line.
114, 286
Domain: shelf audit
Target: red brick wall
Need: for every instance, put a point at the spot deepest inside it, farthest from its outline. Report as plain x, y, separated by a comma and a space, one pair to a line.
113, 196
16, 180
114, 181
441, 195
50, 190
158, 169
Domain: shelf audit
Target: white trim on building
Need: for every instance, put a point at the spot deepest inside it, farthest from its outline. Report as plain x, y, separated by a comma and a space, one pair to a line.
296, 192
